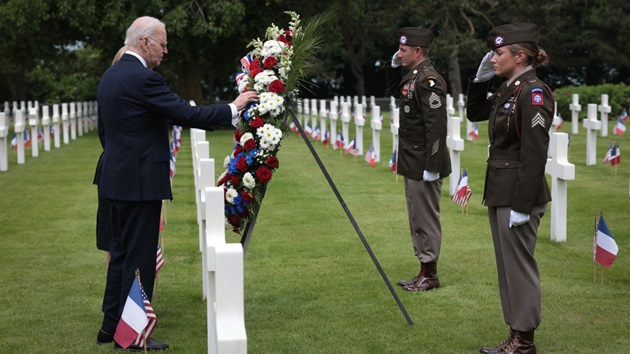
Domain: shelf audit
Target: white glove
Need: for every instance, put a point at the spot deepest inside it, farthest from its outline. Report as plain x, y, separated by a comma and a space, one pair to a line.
486, 69
517, 218
428, 176
396, 62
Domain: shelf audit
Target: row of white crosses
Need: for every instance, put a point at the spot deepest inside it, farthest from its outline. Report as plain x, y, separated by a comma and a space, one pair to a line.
222, 262
604, 109
74, 115
341, 108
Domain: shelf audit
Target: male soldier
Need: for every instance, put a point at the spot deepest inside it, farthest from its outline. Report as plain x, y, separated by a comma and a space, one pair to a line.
422, 155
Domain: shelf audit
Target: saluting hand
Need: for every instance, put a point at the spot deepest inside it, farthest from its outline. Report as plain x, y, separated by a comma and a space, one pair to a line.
486, 68
396, 61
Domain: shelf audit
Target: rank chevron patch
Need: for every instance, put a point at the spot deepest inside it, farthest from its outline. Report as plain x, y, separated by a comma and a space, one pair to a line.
538, 120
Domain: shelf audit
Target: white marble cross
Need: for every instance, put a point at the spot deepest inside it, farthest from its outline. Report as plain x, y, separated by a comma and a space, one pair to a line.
345, 121
4, 150
604, 109
334, 114
561, 171
359, 122
307, 113
66, 124
455, 145
592, 125
323, 114
395, 124
575, 108
19, 135
80, 118
392, 103
73, 121
46, 127
56, 129
33, 121
313, 113
377, 126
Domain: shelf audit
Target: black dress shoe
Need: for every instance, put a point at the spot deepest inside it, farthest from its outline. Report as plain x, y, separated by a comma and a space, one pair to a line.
152, 345
104, 337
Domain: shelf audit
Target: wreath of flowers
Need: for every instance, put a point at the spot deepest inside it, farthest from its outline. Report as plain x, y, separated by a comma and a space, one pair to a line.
269, 70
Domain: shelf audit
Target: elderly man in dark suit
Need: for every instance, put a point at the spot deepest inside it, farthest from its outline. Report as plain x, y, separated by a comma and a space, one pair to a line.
135, 107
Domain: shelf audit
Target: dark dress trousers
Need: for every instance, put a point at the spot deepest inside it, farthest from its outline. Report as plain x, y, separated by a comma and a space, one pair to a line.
135, 107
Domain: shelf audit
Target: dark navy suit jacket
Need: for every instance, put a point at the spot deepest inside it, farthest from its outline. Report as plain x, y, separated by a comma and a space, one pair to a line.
135, 107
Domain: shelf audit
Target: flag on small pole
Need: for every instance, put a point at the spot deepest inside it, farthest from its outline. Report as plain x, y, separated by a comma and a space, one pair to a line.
370, 156
463, 191
605, 248
138, 319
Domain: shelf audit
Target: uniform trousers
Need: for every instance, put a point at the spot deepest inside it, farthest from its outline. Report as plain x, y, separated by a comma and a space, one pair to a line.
135, 233
423, 207
519, 279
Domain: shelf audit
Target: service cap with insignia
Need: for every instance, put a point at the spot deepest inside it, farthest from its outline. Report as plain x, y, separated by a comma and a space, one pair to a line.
512, 33
415, 37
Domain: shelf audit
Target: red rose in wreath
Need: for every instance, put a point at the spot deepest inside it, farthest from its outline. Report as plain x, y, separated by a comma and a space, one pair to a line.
241, 164
263, 174
249, 144
272, 162
270, 62
257, 122
276, 86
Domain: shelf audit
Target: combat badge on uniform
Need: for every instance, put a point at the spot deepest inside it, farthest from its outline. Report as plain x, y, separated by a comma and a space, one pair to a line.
537, 97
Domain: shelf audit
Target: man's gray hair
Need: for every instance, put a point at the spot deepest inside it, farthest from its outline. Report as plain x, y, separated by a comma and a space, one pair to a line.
145, 26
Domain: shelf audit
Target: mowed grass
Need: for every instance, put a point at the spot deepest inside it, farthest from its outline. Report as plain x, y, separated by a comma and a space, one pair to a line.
310, 285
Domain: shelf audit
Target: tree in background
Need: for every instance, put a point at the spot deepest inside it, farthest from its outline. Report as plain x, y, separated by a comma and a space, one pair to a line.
50, 48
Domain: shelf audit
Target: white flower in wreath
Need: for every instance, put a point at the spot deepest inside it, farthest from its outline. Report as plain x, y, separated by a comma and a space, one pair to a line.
226, 161
248, 181
230, 195
264, 144
271, 47
242, 85
246, 137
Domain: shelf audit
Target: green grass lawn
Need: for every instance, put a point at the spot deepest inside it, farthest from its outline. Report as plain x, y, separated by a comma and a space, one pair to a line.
310, 286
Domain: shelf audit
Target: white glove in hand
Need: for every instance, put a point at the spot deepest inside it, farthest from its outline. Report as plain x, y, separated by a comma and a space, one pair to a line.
428, 176
396, 62
517, 218
486, 69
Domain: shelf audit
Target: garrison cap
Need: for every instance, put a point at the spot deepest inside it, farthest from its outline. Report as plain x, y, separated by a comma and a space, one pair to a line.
415, 37
513, 33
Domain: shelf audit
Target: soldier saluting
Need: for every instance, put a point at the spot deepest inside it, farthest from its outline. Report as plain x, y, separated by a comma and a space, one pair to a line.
423, 158
516, 193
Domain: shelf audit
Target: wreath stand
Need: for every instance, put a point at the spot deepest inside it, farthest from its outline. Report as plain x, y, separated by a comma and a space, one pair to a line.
249, 227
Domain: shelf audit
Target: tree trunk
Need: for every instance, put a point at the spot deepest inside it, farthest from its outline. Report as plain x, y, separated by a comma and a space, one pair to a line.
454, 74
190, 84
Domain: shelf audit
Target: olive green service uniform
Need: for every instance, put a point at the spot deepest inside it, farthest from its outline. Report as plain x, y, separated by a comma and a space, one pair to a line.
520, 115
422, 144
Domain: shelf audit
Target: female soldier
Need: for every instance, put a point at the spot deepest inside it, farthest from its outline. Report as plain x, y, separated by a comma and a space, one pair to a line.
516, 191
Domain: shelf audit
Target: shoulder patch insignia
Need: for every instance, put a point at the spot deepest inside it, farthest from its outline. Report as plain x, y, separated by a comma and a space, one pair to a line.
537, 97
431, 80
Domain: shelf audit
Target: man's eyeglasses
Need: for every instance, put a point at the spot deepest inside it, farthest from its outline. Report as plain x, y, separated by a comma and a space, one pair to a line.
162, 44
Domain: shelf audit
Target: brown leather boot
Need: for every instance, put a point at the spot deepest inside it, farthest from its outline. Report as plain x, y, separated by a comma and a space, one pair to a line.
404, 283
428, 278
522, 343
499, 348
